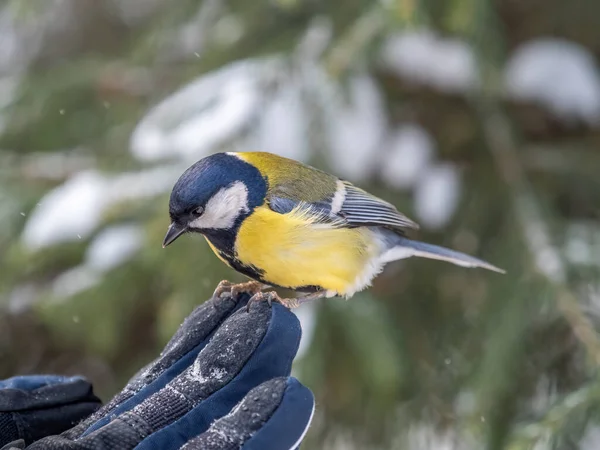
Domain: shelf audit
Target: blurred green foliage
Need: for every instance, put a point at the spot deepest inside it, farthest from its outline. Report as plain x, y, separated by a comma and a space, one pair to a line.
433, 356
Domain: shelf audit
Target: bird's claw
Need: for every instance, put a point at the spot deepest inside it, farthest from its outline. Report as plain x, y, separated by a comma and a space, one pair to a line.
233, 290
271, 297
254, 288
222, 287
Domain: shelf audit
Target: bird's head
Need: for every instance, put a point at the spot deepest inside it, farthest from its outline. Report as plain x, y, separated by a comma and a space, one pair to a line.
215, 194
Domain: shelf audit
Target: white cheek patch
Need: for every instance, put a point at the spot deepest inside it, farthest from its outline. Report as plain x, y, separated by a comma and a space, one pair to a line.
223, 208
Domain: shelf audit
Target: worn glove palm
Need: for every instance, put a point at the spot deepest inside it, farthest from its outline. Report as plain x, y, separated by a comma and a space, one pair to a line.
222, 382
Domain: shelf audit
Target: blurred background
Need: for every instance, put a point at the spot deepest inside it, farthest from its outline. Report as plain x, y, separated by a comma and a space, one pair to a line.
480, 119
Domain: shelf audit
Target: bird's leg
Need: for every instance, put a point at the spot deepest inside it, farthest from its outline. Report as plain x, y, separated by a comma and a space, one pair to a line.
289, 303
234, 289
310, 297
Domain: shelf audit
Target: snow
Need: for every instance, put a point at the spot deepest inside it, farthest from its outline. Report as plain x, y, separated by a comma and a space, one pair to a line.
195, 373
16, 50
582, 243
75, 281
70, 209
410, 152
22, 297
558, 74
282, 128
134, 12
203, 115
357, 129
307, 315
10, 40
546, 257
228, 30
147, 183
423, 57
578, 251
75, 209
591, 438
191, 37
113, 246
437, 195
545, 395
317, 37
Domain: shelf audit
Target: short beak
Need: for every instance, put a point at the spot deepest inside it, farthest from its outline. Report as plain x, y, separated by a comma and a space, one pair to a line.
173, 233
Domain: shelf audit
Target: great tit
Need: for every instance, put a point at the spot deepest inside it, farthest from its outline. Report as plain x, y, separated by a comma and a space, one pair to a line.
286, 224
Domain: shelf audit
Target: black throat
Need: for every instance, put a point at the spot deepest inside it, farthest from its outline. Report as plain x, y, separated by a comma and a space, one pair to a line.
223, 240
224, 243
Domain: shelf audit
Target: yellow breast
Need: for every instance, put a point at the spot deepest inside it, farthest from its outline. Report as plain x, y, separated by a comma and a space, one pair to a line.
294, 250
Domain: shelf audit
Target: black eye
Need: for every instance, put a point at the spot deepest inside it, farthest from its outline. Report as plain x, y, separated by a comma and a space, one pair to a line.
198, 211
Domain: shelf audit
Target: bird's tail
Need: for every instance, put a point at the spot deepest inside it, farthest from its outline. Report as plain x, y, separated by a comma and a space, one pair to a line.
404, 248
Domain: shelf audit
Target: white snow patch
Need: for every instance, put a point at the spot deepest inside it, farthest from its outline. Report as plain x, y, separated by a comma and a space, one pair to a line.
307, 315
134, 12
547, 258
24, 36
218, 373
357, 129
545, 395
195, 373
143, 184
282, 128
192, 36
591, 438
113, 246
411, 148
314, 41
592, 295
9, 36
74, 281
578, 251
203, 115
582, 243
19, 41
561, 75
423, 57
228, 30
465, 402
73, 210
437, 195
22, 297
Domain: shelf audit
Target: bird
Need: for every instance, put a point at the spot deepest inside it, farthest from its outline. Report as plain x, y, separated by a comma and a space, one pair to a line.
285, 224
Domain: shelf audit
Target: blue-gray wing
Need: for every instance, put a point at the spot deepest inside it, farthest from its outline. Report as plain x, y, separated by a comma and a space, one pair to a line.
349, 206
360, 208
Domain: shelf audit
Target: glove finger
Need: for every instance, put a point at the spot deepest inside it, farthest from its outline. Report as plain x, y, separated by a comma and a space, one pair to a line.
32, 407
25, 393
273, 358
19, 444
32, 382
273, 416
178, 354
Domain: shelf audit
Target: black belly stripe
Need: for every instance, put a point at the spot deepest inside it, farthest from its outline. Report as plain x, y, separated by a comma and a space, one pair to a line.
247, 269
